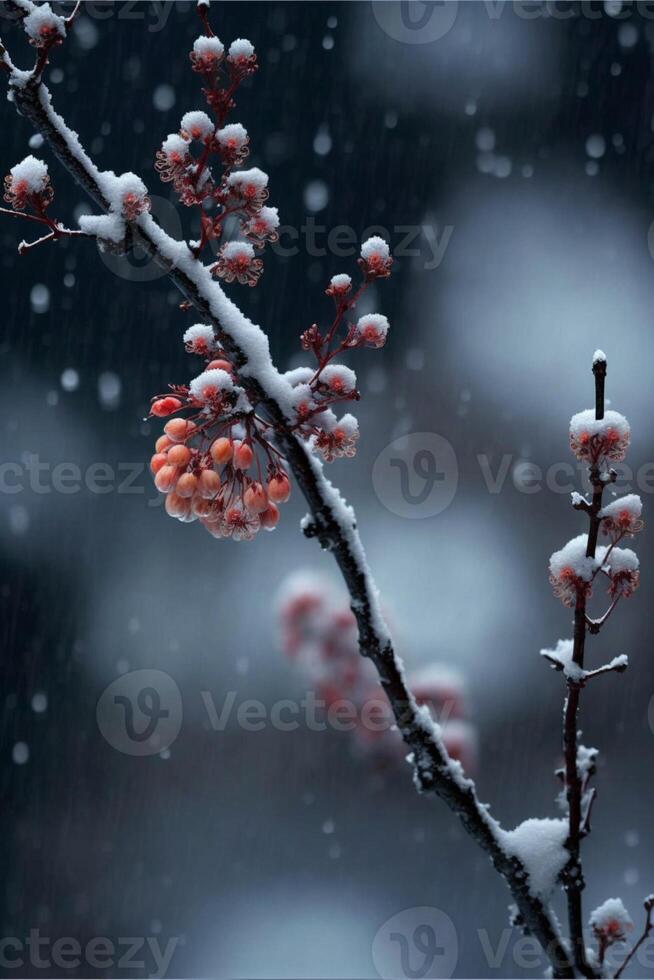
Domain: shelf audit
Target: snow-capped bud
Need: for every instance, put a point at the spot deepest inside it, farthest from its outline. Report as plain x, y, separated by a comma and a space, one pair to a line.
263, 226
165, 406
134, 205
173, 158
178, 430
162, 444
611, 922
341, 380
207, 54
211, 386
179, 455
166, 478
269, 518
337, 437
208, 484
158, 461
43, 27
622, 516
196, 125
572, 571
127, 194
623, 570
237, 261
222, 451
279, 488
375, 259
177, 506
176, 149
199, 339
28, 184
233, 142
597, 440
241, 57
302, 401
249, 187
243, 456
255, 499
371, 330
187, 484
339, 286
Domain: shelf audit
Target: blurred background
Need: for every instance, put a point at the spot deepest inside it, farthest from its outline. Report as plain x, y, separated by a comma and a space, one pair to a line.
506, 150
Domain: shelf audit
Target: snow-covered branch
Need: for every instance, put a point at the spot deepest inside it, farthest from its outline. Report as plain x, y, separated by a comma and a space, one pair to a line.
242, 404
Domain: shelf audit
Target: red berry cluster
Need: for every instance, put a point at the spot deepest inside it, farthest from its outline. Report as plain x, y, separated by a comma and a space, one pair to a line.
238, 193
217, 462
206, 461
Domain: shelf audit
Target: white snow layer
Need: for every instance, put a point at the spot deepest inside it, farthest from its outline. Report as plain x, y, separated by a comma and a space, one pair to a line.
539, 845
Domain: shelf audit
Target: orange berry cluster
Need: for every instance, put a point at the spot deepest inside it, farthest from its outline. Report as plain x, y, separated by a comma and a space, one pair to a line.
211, 483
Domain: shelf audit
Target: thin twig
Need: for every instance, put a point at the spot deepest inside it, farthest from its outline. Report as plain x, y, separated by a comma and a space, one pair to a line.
649, 925
595, 625
574, 879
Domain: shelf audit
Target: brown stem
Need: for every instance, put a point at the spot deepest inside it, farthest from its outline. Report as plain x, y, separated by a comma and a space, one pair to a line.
612, 668
595, 625
649, 925
574, 878
434, 772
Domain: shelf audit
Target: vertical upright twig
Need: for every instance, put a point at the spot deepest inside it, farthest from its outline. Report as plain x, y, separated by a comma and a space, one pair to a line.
574, 878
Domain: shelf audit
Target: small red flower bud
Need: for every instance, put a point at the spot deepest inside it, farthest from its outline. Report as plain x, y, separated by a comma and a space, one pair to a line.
166, 478
178, 430
243, 456
222, 451
238, 261
209, 484
177, 506
187, 484
162, 444
207, 54
279, 488
134, 205
375, 258
179, 455
255, 499
165, 406
157, 461
270, 517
